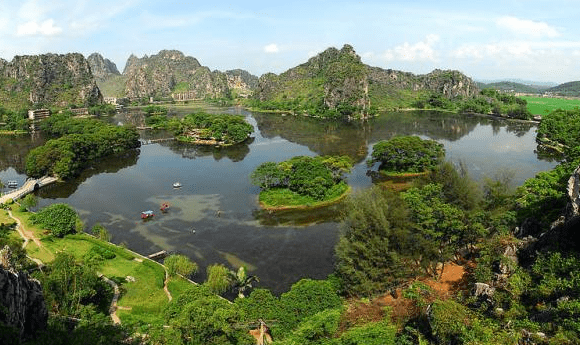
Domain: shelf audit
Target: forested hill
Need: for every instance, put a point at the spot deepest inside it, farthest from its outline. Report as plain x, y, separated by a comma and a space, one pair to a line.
511, 86
35, 81
567, 89
336, 82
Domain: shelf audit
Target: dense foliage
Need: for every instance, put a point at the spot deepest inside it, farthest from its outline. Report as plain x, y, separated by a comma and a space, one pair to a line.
80, 141
491, 101
562, 127
180, 264
408, 154
314, 177
13, 120
229, 129
60, 219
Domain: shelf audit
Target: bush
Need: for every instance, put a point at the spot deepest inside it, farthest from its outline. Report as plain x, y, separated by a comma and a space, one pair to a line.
408, 154
60, 219
180, 264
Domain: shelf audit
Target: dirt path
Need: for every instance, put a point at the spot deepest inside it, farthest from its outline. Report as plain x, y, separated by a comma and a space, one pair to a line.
25, 234
165, 286
116, 293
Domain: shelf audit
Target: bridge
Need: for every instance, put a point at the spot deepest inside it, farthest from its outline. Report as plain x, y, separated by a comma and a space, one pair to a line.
28, 187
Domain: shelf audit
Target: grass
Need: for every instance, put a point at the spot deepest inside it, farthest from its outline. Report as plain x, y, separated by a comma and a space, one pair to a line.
142, 297
545, 105
283, 198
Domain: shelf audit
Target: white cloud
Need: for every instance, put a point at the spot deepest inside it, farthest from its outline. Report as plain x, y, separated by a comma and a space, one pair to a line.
527, 27
420, 51
32, 28
271, 48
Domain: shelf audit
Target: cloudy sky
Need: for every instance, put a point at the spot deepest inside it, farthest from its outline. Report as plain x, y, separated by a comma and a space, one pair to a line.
527, 39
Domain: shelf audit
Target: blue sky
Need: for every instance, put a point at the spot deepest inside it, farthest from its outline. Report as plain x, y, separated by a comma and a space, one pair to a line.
532, 40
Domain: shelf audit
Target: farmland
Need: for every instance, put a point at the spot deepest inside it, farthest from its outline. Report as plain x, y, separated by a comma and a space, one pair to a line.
544, 105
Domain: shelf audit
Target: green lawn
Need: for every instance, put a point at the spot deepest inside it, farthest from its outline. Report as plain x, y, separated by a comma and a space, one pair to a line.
140, 279
544, 105
284, 198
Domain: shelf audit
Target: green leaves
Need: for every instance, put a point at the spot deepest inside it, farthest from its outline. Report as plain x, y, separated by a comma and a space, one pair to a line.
314, 177
408, 154
60, 219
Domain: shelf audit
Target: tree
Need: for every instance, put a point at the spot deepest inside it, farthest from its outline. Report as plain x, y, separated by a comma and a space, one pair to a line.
218, 279
201, 317
100, 232
409, 154
60, 219
440, 225
180, 264
69, 287
28, 202
242, 281
373, 244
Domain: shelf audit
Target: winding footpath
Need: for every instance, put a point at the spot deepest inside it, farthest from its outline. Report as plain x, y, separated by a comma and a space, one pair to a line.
29, 235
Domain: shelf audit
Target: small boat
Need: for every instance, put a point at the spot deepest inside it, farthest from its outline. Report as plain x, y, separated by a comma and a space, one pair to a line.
164, 207
12, 184
176, 185
147, 214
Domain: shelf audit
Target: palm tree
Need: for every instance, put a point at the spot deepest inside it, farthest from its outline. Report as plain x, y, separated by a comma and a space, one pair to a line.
241, 281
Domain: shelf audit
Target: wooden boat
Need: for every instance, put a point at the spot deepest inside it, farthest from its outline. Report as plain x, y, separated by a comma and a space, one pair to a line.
147, 214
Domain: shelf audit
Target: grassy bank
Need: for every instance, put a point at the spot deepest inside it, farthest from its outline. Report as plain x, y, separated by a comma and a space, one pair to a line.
276, 199
141, 280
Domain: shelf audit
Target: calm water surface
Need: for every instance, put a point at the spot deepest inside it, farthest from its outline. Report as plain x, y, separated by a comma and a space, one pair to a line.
215, 218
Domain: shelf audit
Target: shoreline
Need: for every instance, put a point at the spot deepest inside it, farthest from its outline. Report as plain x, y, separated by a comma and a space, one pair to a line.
320, 204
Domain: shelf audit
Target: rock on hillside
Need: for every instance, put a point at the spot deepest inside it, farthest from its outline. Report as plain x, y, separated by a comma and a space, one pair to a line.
22, 305
334, 80
340, 81
102, 68
241, 81
169, 72
48, 80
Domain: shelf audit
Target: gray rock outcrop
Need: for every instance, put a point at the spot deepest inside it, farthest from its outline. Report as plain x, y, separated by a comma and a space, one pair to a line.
22, 304
163, 73
102, 68
49, 79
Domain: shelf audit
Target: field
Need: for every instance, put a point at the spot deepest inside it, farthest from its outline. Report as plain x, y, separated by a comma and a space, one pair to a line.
544, 105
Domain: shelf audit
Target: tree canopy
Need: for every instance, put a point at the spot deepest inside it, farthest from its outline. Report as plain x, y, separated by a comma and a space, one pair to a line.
407, 154
315, 177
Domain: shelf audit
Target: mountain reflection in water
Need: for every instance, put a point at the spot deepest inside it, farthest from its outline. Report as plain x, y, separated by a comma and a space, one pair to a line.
214, 217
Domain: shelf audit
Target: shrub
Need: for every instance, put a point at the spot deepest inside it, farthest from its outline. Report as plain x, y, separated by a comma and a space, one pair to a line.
60, 219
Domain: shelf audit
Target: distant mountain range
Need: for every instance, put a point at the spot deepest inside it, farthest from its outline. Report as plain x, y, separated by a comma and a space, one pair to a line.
334, 79
571, 89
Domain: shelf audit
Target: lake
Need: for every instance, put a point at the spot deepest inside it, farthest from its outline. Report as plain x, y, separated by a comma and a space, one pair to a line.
214, 217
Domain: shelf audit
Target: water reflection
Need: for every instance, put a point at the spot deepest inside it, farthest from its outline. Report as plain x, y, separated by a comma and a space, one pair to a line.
235, 153
218, 201
111, 164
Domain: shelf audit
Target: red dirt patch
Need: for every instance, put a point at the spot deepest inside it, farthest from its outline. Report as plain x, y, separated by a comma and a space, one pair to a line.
452, 280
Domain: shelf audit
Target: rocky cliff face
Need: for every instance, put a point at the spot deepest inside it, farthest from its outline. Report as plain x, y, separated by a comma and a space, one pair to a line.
241, 81
22, 305
449, 83
339, 80
102, 68
170, 71
336, 79
48, 80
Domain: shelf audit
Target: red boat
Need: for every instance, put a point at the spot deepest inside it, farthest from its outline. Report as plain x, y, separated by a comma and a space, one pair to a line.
147, 214
164, 207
